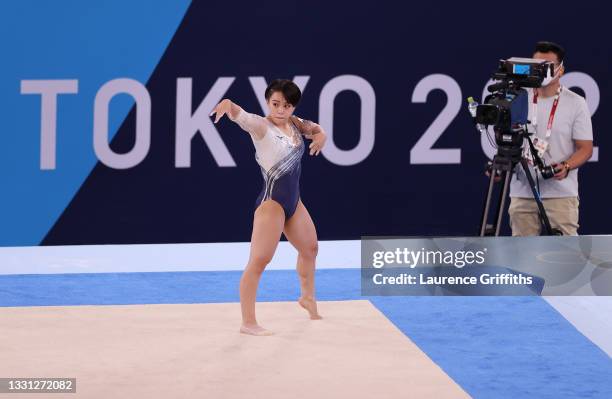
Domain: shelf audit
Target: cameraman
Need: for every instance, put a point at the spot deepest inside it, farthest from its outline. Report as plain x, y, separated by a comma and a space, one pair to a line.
564, 135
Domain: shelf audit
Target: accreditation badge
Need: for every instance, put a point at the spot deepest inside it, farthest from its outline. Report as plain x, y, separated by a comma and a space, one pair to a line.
541, 146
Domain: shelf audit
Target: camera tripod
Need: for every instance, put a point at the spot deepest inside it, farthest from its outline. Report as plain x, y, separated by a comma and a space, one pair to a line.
503, 164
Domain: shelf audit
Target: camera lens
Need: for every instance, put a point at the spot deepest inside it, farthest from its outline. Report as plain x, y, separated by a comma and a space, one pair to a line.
548, 172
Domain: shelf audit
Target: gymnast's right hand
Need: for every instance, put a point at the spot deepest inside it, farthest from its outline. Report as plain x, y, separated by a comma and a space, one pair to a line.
221, 109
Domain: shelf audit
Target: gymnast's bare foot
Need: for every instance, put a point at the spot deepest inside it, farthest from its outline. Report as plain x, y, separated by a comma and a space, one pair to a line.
254, 329
310, 305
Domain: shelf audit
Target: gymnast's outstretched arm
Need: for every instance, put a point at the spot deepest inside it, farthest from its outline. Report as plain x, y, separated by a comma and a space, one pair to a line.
251, 123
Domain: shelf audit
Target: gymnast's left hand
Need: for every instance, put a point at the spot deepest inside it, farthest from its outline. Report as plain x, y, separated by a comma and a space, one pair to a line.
318, 141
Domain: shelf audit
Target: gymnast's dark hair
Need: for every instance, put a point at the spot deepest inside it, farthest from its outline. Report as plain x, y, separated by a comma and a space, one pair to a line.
289, 90
550, 47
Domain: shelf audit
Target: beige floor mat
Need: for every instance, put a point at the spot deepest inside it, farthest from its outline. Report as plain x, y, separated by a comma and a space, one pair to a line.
195, 351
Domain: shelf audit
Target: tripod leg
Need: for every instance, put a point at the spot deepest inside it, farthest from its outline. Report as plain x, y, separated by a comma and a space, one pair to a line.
502, 201
543, 216
487, 207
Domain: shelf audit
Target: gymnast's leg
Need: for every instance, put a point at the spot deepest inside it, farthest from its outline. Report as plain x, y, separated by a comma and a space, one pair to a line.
301, 233
267, 228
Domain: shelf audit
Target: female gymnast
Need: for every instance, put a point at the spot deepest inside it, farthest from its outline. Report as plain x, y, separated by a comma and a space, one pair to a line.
279, 147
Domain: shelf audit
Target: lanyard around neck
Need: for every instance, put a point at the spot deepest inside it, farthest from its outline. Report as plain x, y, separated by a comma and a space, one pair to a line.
553, 110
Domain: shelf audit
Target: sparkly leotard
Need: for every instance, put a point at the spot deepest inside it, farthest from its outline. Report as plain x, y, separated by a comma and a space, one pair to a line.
279, 157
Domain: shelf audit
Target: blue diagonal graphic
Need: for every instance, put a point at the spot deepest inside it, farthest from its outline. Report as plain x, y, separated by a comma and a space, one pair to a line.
93, 42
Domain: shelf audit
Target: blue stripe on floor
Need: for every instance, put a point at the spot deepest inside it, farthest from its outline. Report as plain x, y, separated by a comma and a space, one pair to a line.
494, 347
164, 287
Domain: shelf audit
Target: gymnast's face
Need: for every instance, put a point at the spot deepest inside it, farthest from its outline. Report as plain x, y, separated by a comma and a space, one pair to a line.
280, 109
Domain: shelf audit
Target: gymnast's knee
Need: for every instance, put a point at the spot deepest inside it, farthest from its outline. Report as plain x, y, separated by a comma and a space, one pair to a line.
258, 263
309, 251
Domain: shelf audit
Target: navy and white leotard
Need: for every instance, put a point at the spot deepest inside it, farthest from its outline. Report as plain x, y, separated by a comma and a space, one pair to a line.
279, 157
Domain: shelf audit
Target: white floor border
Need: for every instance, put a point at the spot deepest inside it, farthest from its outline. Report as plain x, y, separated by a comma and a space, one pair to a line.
164, 257
591, 315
